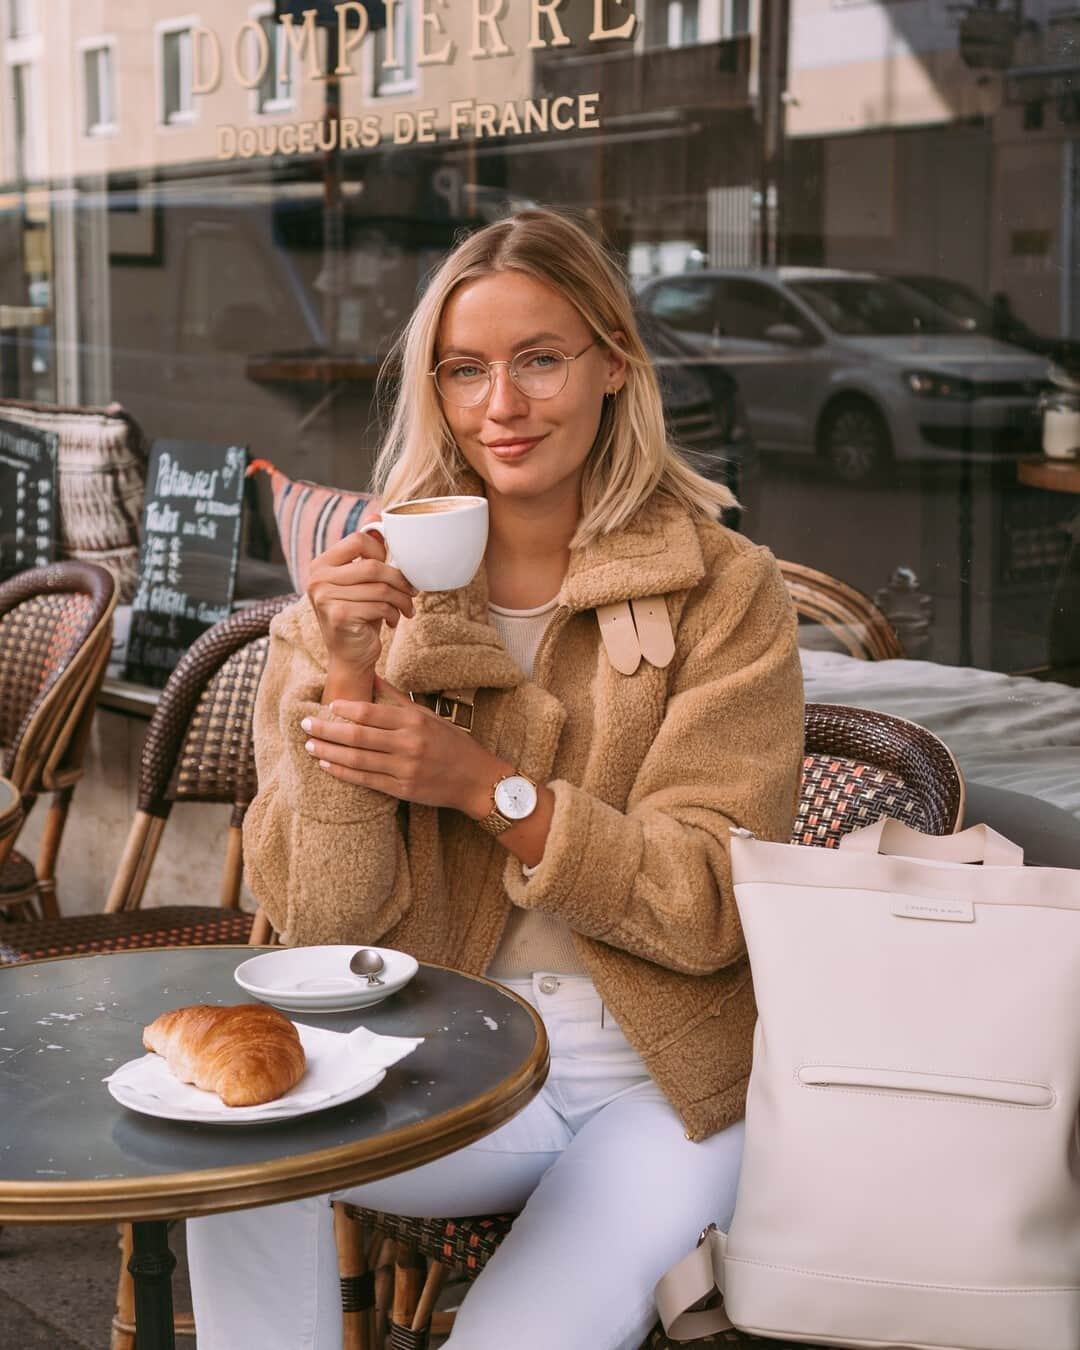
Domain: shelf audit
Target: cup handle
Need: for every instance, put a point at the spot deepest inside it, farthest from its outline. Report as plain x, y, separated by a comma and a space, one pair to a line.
376, 527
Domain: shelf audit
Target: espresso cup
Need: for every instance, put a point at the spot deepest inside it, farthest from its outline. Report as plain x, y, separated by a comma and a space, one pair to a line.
437, 542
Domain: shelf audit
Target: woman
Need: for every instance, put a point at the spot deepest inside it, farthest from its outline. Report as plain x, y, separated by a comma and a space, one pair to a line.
604, 897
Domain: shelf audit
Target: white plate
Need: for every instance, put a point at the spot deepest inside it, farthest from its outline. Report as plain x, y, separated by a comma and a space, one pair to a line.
244, 1115
317, 979
341, 1066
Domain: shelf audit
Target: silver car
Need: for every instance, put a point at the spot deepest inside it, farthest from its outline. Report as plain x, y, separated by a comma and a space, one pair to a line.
853, 367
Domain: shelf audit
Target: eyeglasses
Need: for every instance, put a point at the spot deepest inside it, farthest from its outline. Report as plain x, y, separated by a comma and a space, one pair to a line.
539, 372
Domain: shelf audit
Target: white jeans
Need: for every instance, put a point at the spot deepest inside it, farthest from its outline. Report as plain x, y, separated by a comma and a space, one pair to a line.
611, 1193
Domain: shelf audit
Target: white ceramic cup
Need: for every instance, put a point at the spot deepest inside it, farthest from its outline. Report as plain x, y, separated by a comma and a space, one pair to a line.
437, 542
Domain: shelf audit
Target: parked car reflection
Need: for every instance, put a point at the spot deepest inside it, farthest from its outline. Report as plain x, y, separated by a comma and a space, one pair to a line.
703, 410
854, 368
994, 318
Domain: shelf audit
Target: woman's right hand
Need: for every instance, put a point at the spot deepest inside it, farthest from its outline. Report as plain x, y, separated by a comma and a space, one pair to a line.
354, 591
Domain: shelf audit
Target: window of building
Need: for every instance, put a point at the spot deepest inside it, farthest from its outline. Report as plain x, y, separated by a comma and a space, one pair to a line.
738, 16
672, 23
275, 94
399, 76
24, 123
21, 17
99, 96
177, 75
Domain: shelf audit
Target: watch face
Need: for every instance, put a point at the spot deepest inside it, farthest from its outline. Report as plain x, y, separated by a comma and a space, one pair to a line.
515, 797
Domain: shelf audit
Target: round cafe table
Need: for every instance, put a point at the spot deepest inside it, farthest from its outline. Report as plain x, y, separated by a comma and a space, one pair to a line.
70, 1154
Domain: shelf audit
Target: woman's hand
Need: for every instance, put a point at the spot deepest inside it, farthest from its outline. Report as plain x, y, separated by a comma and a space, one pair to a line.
404, 750
354, 591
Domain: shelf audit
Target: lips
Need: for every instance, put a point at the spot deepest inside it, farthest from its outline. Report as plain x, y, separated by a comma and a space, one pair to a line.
510, 450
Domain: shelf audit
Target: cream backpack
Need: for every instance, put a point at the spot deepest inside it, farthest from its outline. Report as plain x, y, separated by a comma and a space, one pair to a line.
911, 1174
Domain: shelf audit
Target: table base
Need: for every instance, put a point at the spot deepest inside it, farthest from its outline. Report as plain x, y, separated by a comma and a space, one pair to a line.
151, 1267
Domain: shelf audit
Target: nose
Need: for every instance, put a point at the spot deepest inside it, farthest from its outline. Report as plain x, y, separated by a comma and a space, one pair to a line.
506, 399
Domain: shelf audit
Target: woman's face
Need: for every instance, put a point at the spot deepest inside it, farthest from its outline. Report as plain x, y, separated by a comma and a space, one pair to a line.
525, 448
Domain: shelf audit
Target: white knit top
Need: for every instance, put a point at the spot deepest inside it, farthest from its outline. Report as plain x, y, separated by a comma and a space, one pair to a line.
531, 940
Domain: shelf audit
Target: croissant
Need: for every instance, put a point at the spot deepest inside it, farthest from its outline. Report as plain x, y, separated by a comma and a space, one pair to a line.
247, 1054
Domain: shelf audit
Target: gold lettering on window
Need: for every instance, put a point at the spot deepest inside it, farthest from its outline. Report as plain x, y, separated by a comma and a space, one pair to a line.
307, 38
431, 23
205, 79
602, 34
262, 46
548, 9
489, 20
349, 38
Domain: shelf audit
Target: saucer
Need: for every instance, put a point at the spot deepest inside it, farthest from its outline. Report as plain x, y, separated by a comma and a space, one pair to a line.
318, 979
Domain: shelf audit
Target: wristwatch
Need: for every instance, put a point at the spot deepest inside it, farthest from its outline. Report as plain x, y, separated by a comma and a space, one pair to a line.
513, 798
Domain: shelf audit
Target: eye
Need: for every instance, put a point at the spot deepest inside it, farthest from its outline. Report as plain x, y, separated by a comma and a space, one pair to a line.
466, 370
541, 360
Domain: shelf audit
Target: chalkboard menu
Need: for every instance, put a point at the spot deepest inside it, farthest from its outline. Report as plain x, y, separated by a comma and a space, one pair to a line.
191, 537
28, 525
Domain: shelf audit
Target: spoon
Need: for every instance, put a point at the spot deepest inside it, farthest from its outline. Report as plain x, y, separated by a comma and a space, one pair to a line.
369, 963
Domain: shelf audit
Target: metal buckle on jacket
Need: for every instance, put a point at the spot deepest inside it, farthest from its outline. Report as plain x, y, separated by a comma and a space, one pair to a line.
451, 710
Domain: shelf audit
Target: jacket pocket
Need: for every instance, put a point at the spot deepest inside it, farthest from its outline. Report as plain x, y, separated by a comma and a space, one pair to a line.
933, 1086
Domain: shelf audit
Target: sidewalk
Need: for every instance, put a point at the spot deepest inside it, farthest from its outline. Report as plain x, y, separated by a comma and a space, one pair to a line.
58, 1285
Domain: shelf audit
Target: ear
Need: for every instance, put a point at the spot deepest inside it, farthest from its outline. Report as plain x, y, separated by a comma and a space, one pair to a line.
616, 364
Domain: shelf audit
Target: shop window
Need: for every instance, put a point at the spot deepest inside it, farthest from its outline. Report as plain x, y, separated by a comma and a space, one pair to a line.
399, 76
275, 94
21, 18
177, 101
98, 90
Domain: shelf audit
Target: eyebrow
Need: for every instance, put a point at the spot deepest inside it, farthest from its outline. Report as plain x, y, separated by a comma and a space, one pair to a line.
534, 340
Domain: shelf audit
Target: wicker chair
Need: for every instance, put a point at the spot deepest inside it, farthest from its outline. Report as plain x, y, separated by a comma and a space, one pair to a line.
856, 623
197, 748
55, 633
859, 766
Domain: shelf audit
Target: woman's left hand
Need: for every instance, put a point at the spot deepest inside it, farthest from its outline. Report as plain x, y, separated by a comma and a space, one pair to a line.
404, 750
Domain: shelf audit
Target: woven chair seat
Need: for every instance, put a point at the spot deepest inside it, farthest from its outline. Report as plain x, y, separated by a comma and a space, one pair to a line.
82, 934
17, 876
465, 1246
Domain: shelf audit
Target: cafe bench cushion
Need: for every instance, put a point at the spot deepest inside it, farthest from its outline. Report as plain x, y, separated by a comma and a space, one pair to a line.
310, 517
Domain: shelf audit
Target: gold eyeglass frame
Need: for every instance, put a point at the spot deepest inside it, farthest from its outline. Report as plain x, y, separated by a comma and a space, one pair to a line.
489, 366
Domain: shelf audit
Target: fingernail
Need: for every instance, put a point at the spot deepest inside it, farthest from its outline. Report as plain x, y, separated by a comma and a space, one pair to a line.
324, 763
305, 725
333, 710
309, 746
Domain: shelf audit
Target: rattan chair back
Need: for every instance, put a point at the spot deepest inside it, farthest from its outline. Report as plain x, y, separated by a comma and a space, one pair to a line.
55, 633
199, 745
858, 626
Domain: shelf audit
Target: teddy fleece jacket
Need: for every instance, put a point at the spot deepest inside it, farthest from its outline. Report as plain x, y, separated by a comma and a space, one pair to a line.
650, 773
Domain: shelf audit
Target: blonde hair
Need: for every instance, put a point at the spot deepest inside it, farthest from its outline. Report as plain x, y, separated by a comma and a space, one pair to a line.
631, 458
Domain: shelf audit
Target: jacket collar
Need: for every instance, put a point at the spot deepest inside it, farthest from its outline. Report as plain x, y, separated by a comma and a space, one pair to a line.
451, 643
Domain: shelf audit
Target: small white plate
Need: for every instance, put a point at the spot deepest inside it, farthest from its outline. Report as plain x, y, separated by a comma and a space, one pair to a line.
318, 979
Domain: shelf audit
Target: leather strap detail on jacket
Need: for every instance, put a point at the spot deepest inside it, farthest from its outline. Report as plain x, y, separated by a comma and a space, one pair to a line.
636, 628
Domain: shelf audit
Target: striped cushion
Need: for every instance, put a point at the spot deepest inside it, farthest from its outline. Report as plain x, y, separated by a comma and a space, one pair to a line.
310, 517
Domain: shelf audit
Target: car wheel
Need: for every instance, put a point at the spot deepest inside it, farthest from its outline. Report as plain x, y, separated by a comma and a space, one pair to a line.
854, 441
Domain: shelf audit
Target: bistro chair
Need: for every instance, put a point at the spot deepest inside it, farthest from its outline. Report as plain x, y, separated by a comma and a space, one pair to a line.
848, 616
55, 635
859, 765
197, 748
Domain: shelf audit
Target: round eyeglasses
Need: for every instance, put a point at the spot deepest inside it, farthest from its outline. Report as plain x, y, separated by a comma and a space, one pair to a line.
539, 372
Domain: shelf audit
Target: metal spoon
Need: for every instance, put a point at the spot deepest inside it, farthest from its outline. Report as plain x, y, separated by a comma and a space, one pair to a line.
369, 963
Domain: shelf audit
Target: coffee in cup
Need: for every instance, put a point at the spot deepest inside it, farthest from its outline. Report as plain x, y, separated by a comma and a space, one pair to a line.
438, 543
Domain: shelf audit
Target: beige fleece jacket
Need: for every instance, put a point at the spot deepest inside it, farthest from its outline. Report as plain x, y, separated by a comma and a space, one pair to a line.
649, 771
